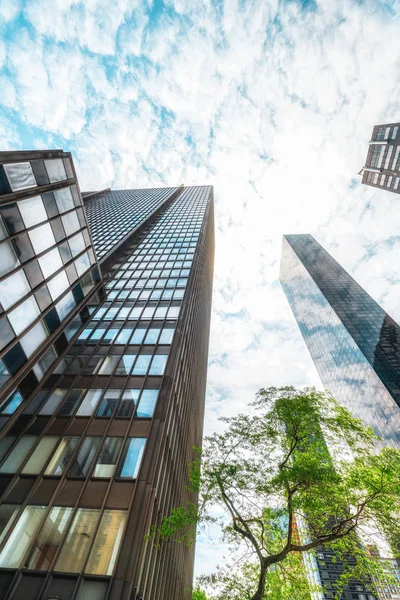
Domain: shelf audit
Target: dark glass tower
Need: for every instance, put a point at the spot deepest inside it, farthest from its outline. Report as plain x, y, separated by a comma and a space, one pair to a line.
354, 343
104, 332
382, 165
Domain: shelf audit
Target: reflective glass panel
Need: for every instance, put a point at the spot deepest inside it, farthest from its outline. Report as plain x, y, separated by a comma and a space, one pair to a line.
32, 211
152, 335
24, 314
18, 454
108, 403
128, 403
78, 541
20, 176
13, 288
142, 364
158, 364
22, 535
55, 169
42, 238
52, 402
64, 199
62, 456
50, 262
107, 542
132, 457
82, 462
49, 540
147, 403
8, 512
40, 455
11, 404
107, 460
89, 403
32, 340
8, 258
125, 364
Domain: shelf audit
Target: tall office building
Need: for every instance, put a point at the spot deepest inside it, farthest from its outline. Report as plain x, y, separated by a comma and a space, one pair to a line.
354, 343
355, 346
105, 312
382, 165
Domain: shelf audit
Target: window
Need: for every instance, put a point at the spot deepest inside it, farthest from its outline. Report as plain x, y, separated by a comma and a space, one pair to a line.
32, 211
92, 590
132, 457
49, 540
138, 336
8, 512
173, 312
107, 542
50, 262
158, 364
55, 169
128, 403
71, 402
142, 364
167, 335
62, 456
90, 402
78, 541
107, 365
81, 464
23, 315
13, 288
20, 176
108, 403
8, 258
124, 336
11, 404
125, 364
42, 238
23, 534
40, 455
147, 403
18, 454
64, 199
52, 402
33, 338
107, 460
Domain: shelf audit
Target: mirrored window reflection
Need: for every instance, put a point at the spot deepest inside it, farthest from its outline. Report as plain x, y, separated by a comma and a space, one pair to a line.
125, 364
20, 176
32, 211
107, 542
11, 404
107, 460
21, 537
78, 541
18, 454
158, 364
167, 335
152, 335
55, 169
8, 258
42, 238
62, 456
49, 539
52, 402
71, 402
64, 199
147, 404
24, 314
13, 288
132, 457
39, 457
82, 462
32, 340
89, 403
142, 364
128, 403
108, 403
50, 262
8, 512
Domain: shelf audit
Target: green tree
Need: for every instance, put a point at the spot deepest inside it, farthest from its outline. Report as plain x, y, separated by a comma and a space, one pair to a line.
270, 470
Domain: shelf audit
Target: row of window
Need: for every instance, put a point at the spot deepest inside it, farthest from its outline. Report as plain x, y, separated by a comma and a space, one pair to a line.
72, 455
85, 540
384, 180
130, 335
15, 177
84, 403
128, 364
384, 133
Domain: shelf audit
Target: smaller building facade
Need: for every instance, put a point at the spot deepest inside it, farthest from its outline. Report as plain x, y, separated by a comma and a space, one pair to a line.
382, 165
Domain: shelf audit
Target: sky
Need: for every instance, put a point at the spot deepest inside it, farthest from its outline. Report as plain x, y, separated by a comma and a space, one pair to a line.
271, 101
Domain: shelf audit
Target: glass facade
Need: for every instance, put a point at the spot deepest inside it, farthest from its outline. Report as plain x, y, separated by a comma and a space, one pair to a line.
382, 164
354, 344
103, 371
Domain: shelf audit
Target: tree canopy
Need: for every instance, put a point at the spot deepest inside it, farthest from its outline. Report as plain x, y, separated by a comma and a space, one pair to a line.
295, 472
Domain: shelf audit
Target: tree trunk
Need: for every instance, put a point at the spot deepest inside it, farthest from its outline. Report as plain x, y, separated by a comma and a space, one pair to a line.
259, 595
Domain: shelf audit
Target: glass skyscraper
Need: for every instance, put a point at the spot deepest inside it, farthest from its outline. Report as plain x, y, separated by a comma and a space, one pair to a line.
355, 346
382, 165
354, 343
104, 327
